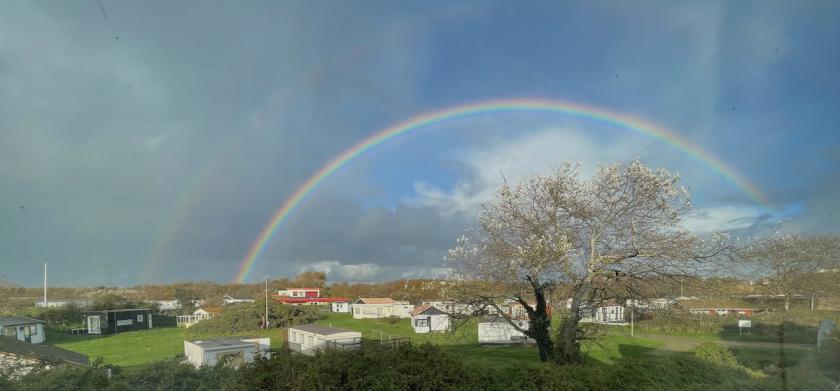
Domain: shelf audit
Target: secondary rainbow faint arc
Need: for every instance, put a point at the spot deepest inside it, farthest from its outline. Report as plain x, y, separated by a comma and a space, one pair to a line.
481, 108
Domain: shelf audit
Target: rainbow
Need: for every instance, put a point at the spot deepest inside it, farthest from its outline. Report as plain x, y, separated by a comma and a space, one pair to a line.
482, 108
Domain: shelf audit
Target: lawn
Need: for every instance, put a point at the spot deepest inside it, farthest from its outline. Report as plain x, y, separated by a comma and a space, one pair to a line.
136, 347
464, 342
144, 347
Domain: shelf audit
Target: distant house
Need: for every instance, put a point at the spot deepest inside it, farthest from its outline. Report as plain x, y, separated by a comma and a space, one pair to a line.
238, 350
716, 307
604, 314
451, 307
23, 328
197, 316
380, 307
650, 304
496, 329
428, 318
165, 305
227, 299
309, 338
61, 303
304, 296
117, 321
300, 292
340, 306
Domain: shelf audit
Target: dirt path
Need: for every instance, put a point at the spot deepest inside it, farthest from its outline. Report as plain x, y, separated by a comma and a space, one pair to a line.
673, 344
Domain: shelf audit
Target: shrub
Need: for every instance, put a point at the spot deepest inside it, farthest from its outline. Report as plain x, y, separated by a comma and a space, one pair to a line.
717, 354
247, 317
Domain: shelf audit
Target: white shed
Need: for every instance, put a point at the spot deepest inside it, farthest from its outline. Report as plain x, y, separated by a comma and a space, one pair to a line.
380, 307
494, 329
23, 328
309, 338
238, 349
340, 306
428, 318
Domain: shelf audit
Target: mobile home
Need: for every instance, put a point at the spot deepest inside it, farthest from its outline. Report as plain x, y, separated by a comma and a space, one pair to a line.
117, 321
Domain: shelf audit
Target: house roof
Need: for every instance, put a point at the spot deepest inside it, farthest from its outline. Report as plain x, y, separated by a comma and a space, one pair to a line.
426, 309
713, 304
122, 310
18, 321
320, 330
494, 318
375, 300
224, 342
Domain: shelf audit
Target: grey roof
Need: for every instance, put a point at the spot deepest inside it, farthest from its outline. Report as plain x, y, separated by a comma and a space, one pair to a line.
223, 342
320, 330
431, 310
18, 320
123, 310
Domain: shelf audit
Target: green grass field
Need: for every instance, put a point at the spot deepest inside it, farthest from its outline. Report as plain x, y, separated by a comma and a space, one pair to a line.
135, 347
464, 342
144, 347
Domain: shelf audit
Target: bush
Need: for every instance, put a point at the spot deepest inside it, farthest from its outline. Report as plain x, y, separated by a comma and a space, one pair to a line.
393, 320
828, 358
247, 317
717, 354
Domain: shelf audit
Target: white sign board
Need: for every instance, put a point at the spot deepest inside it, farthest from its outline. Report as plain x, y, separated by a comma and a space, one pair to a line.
124, 322
744, 323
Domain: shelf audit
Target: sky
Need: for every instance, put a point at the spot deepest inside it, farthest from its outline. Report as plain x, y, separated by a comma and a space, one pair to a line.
151, 142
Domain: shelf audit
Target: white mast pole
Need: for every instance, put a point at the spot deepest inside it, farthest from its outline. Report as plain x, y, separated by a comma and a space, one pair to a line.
45, 284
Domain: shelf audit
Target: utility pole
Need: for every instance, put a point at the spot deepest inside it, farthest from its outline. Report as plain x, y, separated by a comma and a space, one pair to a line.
45, 284
631, 320
266, 303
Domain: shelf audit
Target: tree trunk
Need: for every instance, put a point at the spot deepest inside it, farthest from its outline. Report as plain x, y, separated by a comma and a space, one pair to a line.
568, 346
787, 303
539, 323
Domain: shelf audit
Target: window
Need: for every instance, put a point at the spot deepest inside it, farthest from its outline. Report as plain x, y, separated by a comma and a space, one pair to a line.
139, 318
311, 341
294, 336
33, 329
423, 322
10, 331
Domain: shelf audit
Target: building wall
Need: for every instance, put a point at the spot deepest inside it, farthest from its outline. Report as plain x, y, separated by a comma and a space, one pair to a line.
433, 323
308, 343
340, 307
501, 332
374, 311
199, 356
35, 332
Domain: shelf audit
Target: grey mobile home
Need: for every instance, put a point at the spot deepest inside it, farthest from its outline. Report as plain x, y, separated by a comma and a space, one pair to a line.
117, 321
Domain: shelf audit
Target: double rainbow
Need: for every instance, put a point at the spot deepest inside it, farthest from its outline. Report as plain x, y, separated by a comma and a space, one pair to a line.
483, 108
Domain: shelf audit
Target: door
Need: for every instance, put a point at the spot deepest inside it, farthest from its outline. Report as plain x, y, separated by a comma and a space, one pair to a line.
23, 334
93, 325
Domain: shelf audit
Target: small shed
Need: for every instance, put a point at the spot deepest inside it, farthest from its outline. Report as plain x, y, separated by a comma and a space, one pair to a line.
309, 338
117, 321
340, 306
235, 350
23, 328
496, 330
380, 307
427, 318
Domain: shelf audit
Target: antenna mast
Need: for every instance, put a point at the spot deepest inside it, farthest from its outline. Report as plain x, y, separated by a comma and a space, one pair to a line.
45, 284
